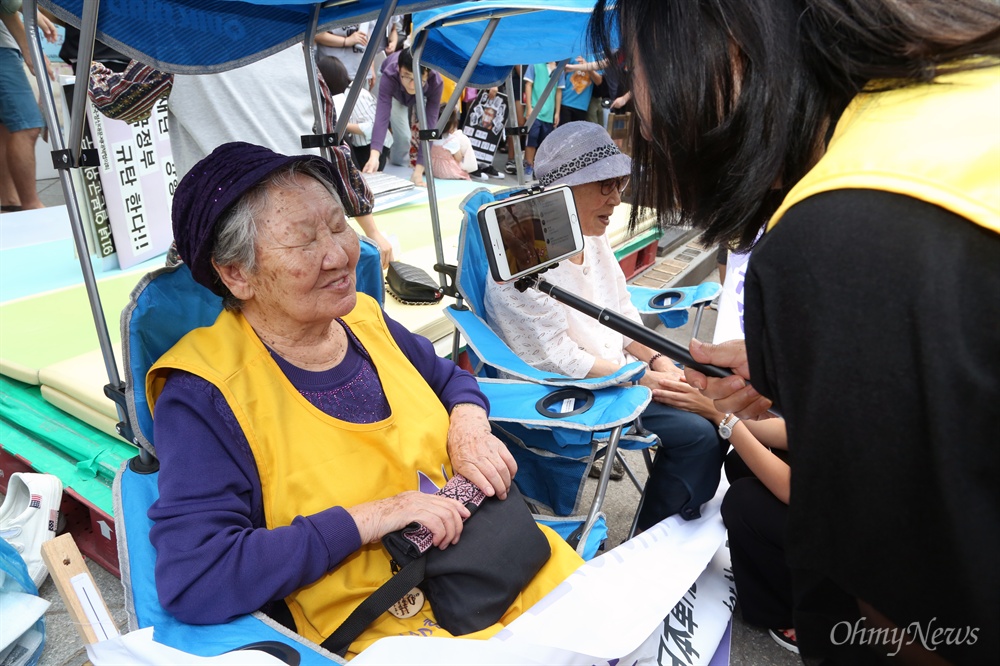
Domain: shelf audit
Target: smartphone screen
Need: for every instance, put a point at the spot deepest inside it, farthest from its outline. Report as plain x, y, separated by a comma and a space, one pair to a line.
533, 231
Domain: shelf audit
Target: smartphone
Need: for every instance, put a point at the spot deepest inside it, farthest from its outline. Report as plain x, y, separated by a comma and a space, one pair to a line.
524, 234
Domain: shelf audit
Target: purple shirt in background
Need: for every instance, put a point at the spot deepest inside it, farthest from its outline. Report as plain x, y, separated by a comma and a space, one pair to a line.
215, 561
390, 87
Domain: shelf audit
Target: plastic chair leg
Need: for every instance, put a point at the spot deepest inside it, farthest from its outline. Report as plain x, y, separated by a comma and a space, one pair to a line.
697, 320
602, 486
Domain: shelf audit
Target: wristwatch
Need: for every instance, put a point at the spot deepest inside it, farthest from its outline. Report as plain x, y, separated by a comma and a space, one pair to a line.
727, 424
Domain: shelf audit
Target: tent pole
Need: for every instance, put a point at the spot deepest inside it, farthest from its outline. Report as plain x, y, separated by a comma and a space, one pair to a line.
88, 25
513, 131
466, 74
425, 145
88, 34
309, 53
64, 160
366, 62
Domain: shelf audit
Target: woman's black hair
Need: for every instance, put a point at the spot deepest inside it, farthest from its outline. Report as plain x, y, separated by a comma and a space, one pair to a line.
334, 73
743, 93
406, 59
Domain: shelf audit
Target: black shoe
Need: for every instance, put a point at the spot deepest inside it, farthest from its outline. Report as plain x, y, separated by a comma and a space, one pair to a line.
617, 470
491, 172
511, 167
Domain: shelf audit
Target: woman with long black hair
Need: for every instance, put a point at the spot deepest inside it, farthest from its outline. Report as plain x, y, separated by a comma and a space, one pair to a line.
865, 136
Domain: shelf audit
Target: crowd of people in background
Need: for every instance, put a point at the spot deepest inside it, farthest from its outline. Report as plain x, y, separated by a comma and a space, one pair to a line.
383, 122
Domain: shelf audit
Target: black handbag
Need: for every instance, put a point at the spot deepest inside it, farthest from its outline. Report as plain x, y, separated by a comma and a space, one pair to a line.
411, 285
471, 584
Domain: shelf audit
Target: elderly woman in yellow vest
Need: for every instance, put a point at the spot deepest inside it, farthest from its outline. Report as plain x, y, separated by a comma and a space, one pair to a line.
305, 424
865, 136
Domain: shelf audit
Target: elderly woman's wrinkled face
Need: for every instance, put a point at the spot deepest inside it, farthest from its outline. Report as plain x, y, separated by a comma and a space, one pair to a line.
306, 256
594, 207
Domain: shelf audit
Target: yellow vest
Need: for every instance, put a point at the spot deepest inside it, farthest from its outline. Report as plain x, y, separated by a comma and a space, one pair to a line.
939, 143
309, 461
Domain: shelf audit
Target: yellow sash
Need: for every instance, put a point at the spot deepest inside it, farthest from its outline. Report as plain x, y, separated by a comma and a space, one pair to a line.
938, 142
309, 461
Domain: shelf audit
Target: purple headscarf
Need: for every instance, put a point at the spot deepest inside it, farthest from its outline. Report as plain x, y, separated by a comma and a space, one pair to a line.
212, 186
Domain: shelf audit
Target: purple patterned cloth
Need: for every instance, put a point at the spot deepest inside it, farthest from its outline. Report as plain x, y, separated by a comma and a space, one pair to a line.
351, 391
458, 488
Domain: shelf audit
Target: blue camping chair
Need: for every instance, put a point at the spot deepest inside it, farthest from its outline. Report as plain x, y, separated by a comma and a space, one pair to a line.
673, 304
553, 467
554, 456
165, 305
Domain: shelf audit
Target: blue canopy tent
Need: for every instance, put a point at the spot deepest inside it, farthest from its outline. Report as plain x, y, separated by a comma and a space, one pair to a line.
478, 43
453, 33
205, 36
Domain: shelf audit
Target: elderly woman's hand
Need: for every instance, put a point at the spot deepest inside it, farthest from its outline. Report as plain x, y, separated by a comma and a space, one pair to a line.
443, 516
476, 454
732, 395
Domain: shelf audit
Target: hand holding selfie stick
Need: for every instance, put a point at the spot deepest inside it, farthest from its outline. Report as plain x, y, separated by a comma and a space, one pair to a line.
626, 327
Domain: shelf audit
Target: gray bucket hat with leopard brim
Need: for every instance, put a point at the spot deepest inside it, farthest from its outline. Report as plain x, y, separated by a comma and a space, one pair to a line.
578, 153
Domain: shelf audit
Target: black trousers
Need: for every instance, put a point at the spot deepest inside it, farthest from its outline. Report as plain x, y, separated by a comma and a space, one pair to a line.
756, 521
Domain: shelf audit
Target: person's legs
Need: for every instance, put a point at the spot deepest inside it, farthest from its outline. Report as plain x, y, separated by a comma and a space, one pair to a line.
595, 112
23, 121
399, 121
687, 467
756, 522
8, 193
568, 114
21, 162
539, 130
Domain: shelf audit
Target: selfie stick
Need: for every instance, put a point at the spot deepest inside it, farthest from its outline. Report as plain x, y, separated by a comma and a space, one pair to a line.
630, 329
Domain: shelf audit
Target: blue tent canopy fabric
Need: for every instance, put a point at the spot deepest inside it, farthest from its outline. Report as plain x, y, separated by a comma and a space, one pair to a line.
529, 31
206, 36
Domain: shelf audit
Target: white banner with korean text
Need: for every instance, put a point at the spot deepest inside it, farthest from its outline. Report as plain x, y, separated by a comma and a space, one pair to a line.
138, 179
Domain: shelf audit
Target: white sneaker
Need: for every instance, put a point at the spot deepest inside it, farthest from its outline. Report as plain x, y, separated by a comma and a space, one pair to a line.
29, 517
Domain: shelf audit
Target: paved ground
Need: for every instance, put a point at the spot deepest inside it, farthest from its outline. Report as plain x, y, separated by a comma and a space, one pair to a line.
750, 646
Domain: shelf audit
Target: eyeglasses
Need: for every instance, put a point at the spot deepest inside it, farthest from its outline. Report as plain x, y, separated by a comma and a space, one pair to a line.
408, 78
609, 185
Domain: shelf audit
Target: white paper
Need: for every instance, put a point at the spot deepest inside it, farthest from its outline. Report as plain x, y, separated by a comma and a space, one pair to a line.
693, 630
137, 648
611, 605
729, 324
691, 638
437, 651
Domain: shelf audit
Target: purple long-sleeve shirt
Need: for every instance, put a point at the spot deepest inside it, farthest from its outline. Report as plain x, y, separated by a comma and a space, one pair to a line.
390, 87
215, 558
